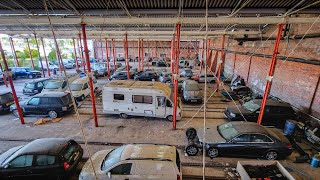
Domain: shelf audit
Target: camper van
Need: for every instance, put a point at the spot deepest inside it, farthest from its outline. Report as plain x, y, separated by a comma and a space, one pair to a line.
138, 98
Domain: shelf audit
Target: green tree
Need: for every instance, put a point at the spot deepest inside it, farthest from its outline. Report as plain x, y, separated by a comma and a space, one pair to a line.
26, 52
21, 55
52, 55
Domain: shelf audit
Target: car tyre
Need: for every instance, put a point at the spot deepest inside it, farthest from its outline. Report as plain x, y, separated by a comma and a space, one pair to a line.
30, 76
52, 114
15, 113
191, 133
271, 155
169, 118
212, 152
191, 150
124, 115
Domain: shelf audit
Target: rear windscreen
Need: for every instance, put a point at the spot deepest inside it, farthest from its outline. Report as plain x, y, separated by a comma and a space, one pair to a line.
66, 99
70, 152
29, 85
5, 98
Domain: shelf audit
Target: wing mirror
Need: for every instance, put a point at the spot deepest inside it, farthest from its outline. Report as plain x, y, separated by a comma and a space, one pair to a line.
109, 174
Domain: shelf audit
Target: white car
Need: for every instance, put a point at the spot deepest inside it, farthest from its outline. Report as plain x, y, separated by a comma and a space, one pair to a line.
134, 161
80, 87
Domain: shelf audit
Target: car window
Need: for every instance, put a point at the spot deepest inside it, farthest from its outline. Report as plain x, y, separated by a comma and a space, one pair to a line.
40, 85
66, 99
44, 101
54, 100
29, 85
70, 151
34, 101
168, 103
85, 86
161, 100
118, 96
43, 160
122, 169
242, 138
21, 161
260, 138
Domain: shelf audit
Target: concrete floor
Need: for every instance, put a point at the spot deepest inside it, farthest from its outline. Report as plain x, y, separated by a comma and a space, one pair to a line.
114, 131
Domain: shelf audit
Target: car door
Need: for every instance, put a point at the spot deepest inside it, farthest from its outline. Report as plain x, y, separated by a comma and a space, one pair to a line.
19, 168
43, 105
260, 144
45, 166
120, 172
235, 147
161, 106
31, 106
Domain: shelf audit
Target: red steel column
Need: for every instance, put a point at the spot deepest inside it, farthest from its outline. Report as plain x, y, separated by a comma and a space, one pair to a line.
35, 37
139, 54
202, 52
107, 54
172, 55
4, 76
234, 63
82, 56
127, 55
86, 51
45, 56
114, 54
174, 122
14, 52
142, 55
133, 56
101, 50
9, 75
271, 72
30, 54
148, 53
75, 54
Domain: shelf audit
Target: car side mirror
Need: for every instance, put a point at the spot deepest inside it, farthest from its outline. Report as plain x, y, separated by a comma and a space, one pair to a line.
109, 174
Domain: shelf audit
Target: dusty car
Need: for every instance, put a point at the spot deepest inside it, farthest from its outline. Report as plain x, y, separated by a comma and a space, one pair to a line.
246, 139
186, 72
80, 87
6, 100
191, 92
275, 113
146, 76
201, 78
40, 159
180, 83
122, 75
165, 77
34, 86
135, 161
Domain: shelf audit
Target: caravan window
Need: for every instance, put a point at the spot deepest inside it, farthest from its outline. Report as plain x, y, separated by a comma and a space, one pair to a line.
142, 99
118, 96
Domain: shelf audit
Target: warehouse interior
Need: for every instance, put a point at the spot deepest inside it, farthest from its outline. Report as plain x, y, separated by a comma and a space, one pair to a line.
254, 62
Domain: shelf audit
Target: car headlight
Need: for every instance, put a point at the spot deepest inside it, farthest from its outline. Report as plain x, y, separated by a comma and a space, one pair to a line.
232, 114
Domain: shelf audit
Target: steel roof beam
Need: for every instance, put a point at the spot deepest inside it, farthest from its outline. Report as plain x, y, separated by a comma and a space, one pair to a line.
161, 20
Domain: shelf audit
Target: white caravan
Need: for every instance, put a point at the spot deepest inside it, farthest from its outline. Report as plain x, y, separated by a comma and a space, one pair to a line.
138, 98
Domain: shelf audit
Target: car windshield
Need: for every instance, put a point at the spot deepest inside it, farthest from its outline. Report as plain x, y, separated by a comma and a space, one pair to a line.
192, 87
76, 87
227, 131
29, 85
251, 106
5, 98
53, 85
112, 158
188, 71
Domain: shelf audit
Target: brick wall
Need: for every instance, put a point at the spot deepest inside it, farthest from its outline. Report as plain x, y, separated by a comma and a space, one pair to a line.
293, 82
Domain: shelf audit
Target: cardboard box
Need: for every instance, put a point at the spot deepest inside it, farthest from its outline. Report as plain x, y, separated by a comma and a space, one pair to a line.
244, 175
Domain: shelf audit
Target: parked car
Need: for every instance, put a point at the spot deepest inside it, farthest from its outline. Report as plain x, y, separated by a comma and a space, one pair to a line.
25, 72
146, 76
52, 66
44, 158
191, 91
186, 72
80, 87
180, 83
6, 100
162, 63
186, 63
1, 77
52, 104
100, 68
245, 139
165, 77
135, 161
59, 83
275, 113
201, 78
68, 63
35, 86
122, 75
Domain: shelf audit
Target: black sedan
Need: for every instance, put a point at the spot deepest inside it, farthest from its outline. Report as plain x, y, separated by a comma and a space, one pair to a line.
245, 139
146, 76
52, 158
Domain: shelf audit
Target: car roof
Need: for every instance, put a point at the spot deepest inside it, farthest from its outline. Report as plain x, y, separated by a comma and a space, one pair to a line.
51, 94
80, 80
3, 93
271, 102
248, 127
188, 81
149, 151
50, 146
38, 80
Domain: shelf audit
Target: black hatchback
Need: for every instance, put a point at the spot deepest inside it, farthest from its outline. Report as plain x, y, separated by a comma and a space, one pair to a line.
35, 86
52, 158
6, 100
52, 104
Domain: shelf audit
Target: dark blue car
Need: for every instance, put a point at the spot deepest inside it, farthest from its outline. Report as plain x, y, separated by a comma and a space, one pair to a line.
25, 72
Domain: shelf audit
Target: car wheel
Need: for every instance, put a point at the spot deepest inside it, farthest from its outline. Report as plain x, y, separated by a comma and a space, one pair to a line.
15, 113
191, 133
213, 152
124, 116
52, 114
271, 155
191, 150
169, 118
30, 76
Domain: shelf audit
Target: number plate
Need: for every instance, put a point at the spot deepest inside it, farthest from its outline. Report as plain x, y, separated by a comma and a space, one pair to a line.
193, 100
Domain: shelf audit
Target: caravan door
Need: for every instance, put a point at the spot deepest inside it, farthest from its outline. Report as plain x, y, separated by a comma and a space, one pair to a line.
161, 106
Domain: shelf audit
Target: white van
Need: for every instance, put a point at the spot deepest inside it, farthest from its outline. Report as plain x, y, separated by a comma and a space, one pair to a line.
80, 87
138, 98
58, 83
